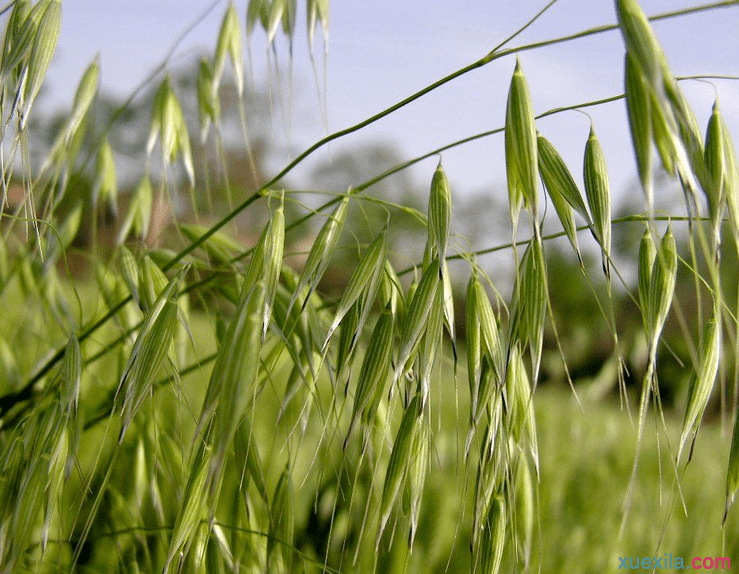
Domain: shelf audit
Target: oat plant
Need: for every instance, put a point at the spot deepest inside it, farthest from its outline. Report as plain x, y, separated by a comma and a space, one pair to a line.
212, 407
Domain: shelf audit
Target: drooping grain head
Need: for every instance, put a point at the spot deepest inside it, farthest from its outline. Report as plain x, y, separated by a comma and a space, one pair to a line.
168, 125
662, 284
715, 174
83, 98
42, 51
365, 279
639, 111
209, 107
397, 469
702, 381
520, 147
375, 367
562, 189
229, 44
317, 12
647, 255
138, 217
439, 212
106, 184
416, 318
597, 191
640, 40
154, 341
71, 376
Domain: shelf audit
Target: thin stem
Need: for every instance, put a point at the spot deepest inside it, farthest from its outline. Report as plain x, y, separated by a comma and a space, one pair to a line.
7, 7
611, 27
524, 27
549, 237
490, 57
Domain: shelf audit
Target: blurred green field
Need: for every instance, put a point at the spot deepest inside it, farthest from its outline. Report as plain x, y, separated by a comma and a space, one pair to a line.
587, 457
586, 454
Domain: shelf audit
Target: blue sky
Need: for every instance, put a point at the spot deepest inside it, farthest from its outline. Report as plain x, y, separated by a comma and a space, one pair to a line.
382, 51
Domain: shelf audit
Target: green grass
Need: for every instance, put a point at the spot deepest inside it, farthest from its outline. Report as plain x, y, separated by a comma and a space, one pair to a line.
587, 457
